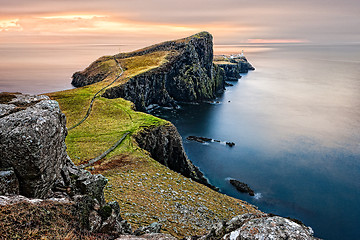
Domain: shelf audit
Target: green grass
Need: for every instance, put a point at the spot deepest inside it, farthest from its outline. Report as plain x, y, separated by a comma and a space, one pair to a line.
109, 118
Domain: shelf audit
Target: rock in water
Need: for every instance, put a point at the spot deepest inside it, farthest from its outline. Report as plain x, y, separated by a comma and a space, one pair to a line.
230, 144
242, 187
199, 139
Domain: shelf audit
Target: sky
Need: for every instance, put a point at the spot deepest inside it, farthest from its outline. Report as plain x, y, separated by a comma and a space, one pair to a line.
151, 21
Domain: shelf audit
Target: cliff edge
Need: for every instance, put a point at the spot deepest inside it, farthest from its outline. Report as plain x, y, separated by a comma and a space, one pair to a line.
186, 74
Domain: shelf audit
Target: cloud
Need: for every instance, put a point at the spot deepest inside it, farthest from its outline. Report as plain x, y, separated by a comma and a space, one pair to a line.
10, 25
230, 21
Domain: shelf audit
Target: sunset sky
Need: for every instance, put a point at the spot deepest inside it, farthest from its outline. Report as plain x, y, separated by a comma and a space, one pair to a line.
149, 21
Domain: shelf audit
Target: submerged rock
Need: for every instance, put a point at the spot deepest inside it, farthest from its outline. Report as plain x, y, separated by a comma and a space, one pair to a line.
242, 187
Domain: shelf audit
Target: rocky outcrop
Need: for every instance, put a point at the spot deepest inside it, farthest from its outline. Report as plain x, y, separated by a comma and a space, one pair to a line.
233, 66
32, 144
189, 75
259, 226
164, 144
205, 139
242, 187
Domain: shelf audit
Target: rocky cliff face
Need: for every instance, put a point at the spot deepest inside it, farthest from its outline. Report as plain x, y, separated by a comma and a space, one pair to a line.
233, 66
34, 162
164, 144
188, 75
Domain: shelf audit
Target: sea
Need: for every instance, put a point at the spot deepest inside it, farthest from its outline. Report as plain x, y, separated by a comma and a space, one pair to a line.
295, 122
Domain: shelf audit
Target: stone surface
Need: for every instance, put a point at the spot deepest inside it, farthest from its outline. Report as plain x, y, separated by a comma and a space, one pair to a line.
242, 187
32, 143
152, 228
9, 183
14, 199
164, 144
259, 226
151, 236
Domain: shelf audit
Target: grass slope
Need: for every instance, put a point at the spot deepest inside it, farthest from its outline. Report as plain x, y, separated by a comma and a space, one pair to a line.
146, 190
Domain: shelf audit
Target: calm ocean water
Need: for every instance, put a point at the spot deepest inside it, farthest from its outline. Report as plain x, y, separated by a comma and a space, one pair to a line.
295, 122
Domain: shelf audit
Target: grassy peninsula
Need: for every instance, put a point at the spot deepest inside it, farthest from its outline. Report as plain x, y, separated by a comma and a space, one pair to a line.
146, 190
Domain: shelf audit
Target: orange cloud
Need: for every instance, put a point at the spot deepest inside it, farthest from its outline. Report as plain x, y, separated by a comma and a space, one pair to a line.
10, 25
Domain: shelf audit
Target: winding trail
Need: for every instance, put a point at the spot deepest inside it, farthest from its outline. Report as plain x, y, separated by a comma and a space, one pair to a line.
96, 94
101, 156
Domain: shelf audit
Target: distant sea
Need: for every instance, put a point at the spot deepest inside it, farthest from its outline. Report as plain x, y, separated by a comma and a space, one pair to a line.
295, 121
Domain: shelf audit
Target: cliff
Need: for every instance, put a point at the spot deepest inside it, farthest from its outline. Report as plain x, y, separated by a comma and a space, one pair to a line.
233, 65
164, 144
187, 74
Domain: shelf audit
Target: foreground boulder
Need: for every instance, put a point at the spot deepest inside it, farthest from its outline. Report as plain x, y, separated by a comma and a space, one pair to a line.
259, 226
34, 162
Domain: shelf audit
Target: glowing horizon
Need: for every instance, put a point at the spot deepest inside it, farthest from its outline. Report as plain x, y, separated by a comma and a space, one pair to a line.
230, 21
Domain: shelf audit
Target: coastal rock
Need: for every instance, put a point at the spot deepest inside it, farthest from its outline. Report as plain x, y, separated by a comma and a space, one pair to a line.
233, 66
32, 143
242, 187
259, 226
164, 144
199, 139
230, 144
